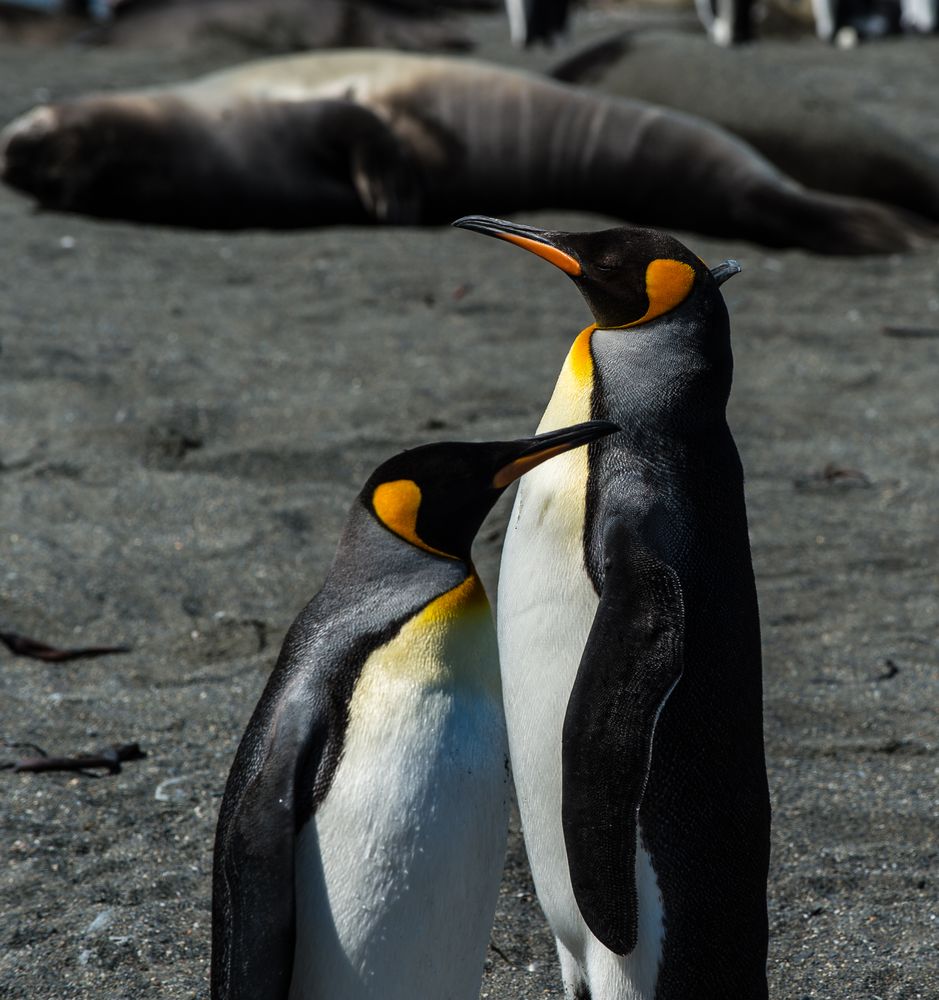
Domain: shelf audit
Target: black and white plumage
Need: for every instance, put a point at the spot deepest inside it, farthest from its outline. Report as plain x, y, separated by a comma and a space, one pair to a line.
630, 645
361, 836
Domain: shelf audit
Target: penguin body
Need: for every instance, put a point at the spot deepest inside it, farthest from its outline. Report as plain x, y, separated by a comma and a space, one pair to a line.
552, 614
629, 642
400, 849
361, 835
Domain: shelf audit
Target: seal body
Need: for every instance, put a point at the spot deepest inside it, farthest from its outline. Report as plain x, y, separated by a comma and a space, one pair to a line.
822, 139
389, 137
629, 641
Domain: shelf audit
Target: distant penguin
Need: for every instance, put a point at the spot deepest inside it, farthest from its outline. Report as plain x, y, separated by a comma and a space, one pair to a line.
630, 644
533, 21
361, 836
843, 22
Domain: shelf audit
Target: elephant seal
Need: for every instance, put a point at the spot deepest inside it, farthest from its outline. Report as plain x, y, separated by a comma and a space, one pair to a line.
813, 131
365, 136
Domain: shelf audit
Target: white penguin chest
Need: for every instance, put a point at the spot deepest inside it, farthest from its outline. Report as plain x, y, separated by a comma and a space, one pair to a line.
398, 872
546, 608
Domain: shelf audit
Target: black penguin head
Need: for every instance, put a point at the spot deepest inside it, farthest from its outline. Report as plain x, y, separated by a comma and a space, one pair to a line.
628, 276
659, 353
436, 496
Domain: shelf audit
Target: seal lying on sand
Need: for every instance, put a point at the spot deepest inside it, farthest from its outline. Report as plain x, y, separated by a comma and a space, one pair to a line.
819, 139
356, 137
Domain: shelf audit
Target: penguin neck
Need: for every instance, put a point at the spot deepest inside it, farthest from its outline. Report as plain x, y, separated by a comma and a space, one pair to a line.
448, 644
571, 401
668, 396
370, 556
669, 401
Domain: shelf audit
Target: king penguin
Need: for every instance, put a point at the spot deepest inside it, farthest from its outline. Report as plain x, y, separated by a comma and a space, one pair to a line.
629, 640
362, 831
533, 21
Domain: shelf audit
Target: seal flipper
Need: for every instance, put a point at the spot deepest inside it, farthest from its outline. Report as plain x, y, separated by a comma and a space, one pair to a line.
364, 151
386, 181
253, 896
589, 63
631, 662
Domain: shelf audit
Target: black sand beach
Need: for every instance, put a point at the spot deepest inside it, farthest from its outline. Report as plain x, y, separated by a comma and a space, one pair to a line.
186, 417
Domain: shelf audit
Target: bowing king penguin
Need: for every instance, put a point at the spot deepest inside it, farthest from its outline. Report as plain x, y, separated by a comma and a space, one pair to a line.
629, 641
361, 836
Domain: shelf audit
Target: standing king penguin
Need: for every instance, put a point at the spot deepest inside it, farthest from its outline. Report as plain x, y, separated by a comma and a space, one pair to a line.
362, 832
630, 644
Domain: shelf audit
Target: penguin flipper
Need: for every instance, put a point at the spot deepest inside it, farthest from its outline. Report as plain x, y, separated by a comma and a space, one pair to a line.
253, 900
631, 663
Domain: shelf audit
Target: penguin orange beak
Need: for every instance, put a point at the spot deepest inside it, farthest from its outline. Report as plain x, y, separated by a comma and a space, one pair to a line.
534, 451
537, 241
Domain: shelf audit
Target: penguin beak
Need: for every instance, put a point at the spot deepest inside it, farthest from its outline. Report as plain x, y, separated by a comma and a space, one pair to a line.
725, 270
528, 453
537, 241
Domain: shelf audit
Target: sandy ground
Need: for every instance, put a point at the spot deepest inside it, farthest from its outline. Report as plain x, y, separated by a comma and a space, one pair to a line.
186, 417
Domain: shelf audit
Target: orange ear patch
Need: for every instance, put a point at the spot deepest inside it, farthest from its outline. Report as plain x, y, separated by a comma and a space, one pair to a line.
668, 284
396, 504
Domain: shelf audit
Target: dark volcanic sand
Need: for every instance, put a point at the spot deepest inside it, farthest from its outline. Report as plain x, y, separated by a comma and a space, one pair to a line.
186, 417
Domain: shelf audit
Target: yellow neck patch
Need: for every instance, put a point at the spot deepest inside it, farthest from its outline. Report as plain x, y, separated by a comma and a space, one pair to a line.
579, 358
465, 597
570, 401
396, 504
450, 642
668, 283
